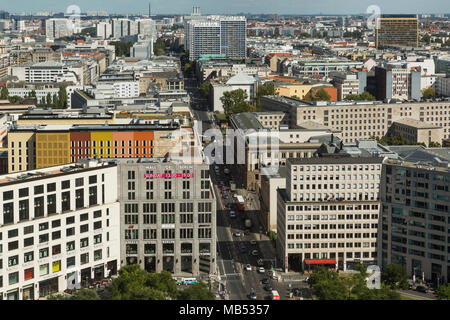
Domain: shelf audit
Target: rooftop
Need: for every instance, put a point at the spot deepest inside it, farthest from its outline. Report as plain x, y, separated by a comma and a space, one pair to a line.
416, 123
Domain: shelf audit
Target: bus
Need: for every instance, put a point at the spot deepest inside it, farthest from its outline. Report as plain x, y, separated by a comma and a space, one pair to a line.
275, 295
188, 280
240, 203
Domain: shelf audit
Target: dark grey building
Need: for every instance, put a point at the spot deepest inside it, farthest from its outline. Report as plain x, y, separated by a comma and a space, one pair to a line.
168, 216
415, 213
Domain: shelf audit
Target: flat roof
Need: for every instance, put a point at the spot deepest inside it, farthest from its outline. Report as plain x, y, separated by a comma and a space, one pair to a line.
416, 123
335, 160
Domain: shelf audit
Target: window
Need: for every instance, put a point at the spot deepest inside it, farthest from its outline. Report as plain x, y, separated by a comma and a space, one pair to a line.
13, 278
43, 253
13, 233
43, 269
70, 220
84, 217
65, 184
84, 228
97, 238
13, 245
43, 226
92, 179
84, 242
97, 214
56, 249
51, 187
23, 192
43, 238
28, 230
29, 256
70, 246
70, 262
28, 242
84, 258
56, 235
70, 232
28, 274
56, 223
97, 254
13, 261
97, 225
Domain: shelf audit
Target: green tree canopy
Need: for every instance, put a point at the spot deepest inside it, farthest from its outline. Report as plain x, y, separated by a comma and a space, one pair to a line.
204, 89
365, 96
83, 294
444, 292
122, 48
62, 98
317, 95
235, 102
4, 94
133, 283
267, 89
198, 291
395, 277
158, 47
428, 93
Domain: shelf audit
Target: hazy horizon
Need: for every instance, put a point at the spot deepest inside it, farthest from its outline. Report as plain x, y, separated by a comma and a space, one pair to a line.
283, 7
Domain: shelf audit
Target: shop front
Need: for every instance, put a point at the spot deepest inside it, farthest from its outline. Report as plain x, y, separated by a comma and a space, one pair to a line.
99, 272
28, 292
111, 267
12, 294
48, 287
85, 276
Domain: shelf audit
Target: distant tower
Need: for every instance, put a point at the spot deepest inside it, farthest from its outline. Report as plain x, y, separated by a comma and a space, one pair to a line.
149, 9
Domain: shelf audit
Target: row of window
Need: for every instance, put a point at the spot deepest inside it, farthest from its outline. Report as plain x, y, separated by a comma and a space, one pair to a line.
167, 218
184, 233
44, 269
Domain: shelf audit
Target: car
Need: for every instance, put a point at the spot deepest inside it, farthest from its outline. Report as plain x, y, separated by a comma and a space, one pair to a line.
248, 267
261, 270
422, 289
237, 234
253, 242
252, 296
243, 249
232, 214
225, 196
255, 253
268, 287
265, 281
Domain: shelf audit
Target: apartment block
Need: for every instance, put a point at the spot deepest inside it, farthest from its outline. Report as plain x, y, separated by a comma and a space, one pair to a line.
59, 229
328, 213
168, 216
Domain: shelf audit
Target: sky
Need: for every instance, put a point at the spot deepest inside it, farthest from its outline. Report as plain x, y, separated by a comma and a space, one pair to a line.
230, 6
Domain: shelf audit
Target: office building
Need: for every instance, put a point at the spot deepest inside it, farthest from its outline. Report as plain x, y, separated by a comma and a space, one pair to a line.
168, 216
328, 213
415, 209
59, 229
397, 30
359, 119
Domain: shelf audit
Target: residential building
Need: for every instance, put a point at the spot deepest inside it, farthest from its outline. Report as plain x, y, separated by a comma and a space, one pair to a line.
416, 131
58, 28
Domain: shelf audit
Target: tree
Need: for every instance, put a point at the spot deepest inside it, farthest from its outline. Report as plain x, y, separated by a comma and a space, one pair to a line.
122, 48
235, 101
49, 99
267, 89
55, 102
395, 277
158, 47
444, 292
90, 31
83, 294
33, 93
134, 283
428, 93
426, 38
62, 97
365, 96
321, 95
15, 99
433, 144
4, 94
204, 89
197, 291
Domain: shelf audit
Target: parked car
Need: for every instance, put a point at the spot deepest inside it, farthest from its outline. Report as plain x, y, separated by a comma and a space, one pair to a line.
268, 287
261, 270
243, 249
422, 289
232, 214
237, 234
253, 242
255, 253
248, 267
252, 296
265, 281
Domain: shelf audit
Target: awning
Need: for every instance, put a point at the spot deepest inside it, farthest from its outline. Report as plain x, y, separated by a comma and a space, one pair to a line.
320, 261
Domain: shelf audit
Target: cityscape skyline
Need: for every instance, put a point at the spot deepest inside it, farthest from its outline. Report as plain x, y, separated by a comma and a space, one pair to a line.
326, 7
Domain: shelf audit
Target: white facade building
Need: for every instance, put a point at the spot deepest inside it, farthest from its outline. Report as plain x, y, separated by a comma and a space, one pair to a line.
59, 229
